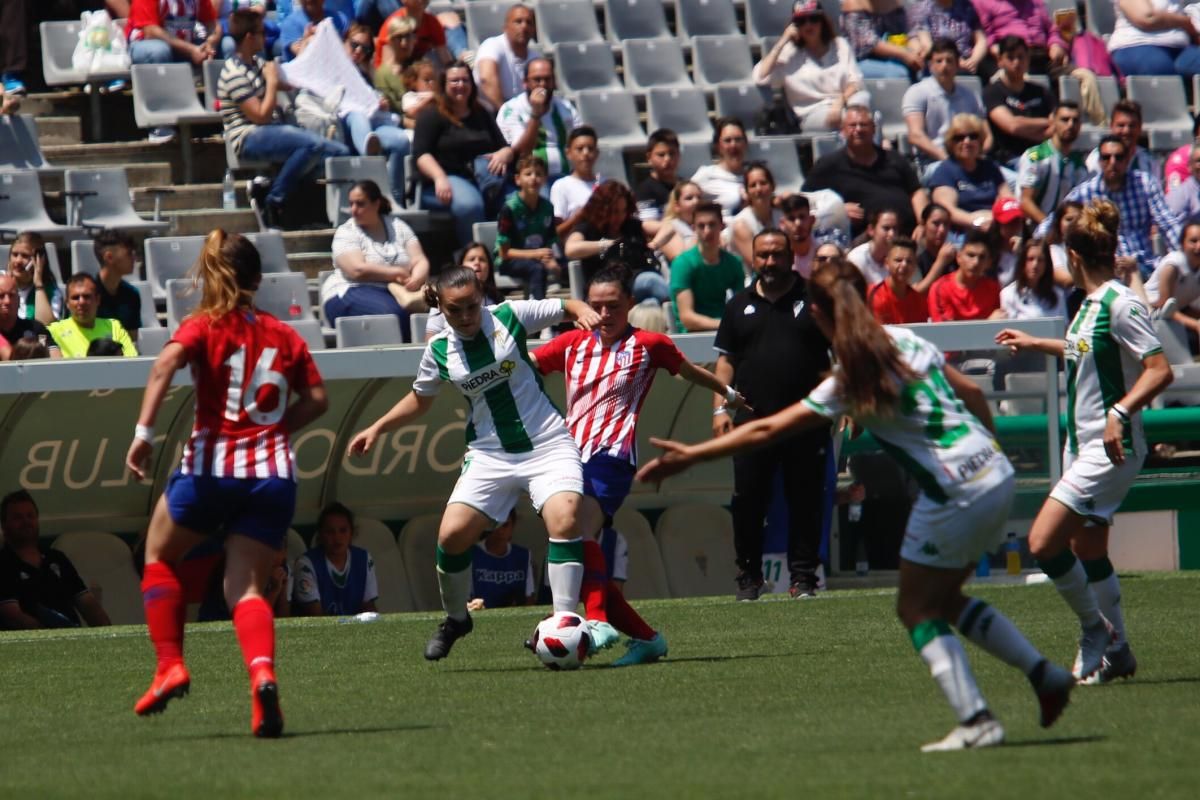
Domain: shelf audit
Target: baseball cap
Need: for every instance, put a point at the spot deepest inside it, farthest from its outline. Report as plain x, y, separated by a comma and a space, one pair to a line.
1006, 209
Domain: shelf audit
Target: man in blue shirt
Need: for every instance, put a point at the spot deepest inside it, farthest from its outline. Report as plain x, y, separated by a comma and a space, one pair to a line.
303, 19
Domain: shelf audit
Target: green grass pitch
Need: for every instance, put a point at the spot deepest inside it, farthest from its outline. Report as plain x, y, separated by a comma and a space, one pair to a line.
821, 698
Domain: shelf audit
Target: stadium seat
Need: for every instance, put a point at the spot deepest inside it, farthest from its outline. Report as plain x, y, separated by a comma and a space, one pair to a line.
887, 95
182, 297
780, 155
417, 323
654, 63
614, 116
485, 20
164, 95
825, 145
59, 40
561, 21
767, 18
22, 207
341, 172
706, 18
610, 165
51, 260
693, 156
310, 332
683, 111
721, 59
212, 76
696, 542
418, 547
629, 19
1089, 134
284, 295
377, 539
1165, 116
485, 233
83, 257
19, 145
647, 578
368, 331
151, 341
170, 257
585, 65
149, 315
271, 250
101, 200
105, 564
1101, 16
743, 102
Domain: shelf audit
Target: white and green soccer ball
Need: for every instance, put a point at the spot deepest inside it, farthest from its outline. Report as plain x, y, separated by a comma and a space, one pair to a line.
561, 641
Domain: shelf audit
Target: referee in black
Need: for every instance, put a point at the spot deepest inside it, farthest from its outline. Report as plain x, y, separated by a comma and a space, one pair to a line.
772, 352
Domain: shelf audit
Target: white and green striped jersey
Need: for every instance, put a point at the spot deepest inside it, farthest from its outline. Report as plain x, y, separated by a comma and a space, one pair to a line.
1106, 343
510, 411
932, 434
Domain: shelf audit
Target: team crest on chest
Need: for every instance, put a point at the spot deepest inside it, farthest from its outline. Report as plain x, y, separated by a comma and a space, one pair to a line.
624, 358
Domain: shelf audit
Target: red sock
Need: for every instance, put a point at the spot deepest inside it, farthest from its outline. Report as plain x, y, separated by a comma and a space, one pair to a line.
255, 626
624, 618
594, 589
162, 597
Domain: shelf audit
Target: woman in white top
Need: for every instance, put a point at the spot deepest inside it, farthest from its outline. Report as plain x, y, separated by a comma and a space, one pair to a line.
379, 264
1154, 37
816, 69
1032, 294
760, 211
1177, 277
675, 234
722, 181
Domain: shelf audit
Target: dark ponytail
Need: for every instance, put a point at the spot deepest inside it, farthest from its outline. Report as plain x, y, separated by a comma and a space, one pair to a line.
450, 278
374, 194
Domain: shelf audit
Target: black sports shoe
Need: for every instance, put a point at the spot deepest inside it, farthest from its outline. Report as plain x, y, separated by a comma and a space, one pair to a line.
256, 192
803, 587
447, 634
267, 719
750, 587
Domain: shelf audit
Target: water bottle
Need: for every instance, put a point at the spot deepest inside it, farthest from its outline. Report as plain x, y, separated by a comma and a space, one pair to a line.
294, 309
862, 565
1012, 554
228, 192
984, 568
854, 512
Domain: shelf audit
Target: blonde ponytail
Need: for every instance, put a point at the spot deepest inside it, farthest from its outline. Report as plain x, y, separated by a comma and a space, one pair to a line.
227, 273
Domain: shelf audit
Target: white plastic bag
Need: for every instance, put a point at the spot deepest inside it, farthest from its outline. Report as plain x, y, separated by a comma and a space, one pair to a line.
102, 47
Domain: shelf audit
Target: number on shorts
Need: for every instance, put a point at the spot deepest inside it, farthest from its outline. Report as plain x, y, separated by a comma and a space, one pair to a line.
245, 398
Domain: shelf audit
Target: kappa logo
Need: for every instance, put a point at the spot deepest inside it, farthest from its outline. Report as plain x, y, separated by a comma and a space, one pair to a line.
930, 549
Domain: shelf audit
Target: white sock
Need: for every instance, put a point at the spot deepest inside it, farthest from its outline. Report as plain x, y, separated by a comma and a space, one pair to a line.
995, 633
1108, 597
947, 662
564, 569
1074, 588
456, 590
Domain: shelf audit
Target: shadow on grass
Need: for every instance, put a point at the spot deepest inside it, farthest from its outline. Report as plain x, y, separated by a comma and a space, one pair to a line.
666, 661
302, 734
1135, 682
1055, 741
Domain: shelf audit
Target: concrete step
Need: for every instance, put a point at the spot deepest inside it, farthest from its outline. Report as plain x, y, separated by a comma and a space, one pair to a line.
188, 197
308, 241
59, 131
311, 264
208, 154
115, 110
200, 222
138, 175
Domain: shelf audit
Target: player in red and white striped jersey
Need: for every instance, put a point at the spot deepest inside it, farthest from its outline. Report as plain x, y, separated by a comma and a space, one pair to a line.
238, 472
609, 371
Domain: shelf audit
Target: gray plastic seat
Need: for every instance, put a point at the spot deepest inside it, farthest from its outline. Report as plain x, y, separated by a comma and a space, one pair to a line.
1101, 16
170, 258
212, 76
149, 315
1089, 134
485, 233
105, 202
341, 172
614, 116
19, 146
271, 250
706, 18
825, 144
721, 59
781, 156
887, 97
22, 207
630, 19
654, 63
485, 20
51, 260
1165, 117
585, 65
767, 18
182, 298
284, 295
151, 341
417, 323
164, 95
368, 331
682, 110
83, 257
610, 165
310, 332
58, 46
693, 156
561, 21
744, 102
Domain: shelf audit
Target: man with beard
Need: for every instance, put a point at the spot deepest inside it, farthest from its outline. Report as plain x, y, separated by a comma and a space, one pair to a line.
772, 352
797, 223
1048, 171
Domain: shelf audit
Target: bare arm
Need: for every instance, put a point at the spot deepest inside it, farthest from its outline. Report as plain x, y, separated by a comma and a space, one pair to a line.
91, 611
1018, 340
489, 83
919, 139
1029, 205
581, 314
12, 618
1156, 376
945, 258
566, 227
358, 270
261, 110
763, 69
311, 404
742, 242
1024, 127
1143, 15
578, 247
692, 321
971, 395
948, 196
172, 359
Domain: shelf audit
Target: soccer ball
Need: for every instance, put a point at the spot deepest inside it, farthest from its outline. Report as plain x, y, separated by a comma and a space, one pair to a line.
562, 641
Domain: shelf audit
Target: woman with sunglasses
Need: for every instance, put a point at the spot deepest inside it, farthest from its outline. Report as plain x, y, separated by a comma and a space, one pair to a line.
967, 184
398, 56
816, 69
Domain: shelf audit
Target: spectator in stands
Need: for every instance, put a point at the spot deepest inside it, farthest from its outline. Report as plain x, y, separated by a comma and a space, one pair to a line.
894, 300
335, 578
1126, 125
537, 122
14, 50
653, 193
501, 572
1177, 168
118, 300
1032, 294
930, 104
38, 296
675, 231
1138, 198
14, 328
432, 37
39, 586
226, 7
1184, 199
968, 293
10, 102
475, 256
301, 23
771, 351
702, 277
392, 76
420, 90
1008, 232
878, 33
759, 212
29, 350
1089, 59
1030, 21
816, 69
797, 222
253, 122
377, 133
460, 152
1048, 171
500, 61
104, 348
967, 183
525, 232
867, 177
1060, 222
1154, 37
374, 251
1177, 278
826, 253
609, 228
930, 20
571, 193
883, 227
1019, 111
932, 236
74, 334
722, 181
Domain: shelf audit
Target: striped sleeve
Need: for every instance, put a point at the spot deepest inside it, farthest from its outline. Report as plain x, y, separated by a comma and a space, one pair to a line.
825, 399
434, 369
